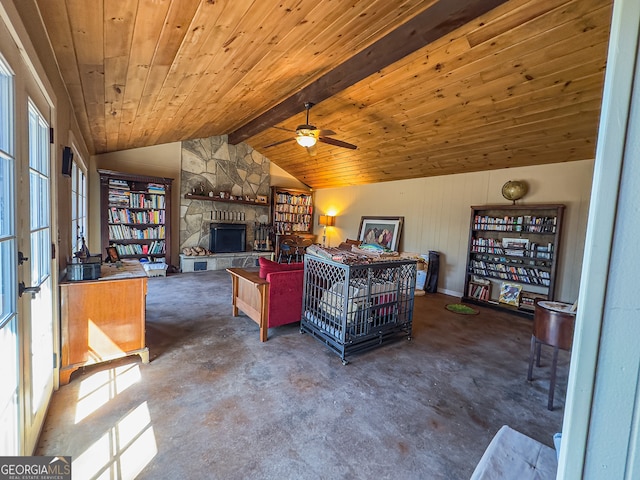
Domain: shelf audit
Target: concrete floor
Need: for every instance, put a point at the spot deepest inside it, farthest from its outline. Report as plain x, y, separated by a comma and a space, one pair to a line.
215, 403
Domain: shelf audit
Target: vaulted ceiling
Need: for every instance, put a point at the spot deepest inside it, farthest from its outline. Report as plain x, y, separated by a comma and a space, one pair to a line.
422, 88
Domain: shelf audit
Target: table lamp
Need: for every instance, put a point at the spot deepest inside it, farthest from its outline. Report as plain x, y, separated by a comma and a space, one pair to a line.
326, 221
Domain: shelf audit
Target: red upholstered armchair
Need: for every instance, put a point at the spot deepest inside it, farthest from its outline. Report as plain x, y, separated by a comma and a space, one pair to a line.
271, 297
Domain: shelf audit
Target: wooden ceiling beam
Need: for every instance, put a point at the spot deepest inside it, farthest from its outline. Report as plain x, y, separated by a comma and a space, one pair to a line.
435, 22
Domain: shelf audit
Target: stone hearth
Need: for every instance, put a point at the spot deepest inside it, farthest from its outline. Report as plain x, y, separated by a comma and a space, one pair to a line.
220, 261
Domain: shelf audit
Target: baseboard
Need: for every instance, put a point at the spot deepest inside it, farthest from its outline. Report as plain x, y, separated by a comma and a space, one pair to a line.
450, 292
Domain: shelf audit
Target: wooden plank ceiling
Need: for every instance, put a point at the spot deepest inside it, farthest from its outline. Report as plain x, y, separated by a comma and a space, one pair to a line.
519, 85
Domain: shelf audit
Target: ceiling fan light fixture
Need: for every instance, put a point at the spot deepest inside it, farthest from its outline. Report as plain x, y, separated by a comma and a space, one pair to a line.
306, 140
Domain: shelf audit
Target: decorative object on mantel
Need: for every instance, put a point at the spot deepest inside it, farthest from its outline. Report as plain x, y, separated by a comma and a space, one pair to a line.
227, 199
199, 190
514, 190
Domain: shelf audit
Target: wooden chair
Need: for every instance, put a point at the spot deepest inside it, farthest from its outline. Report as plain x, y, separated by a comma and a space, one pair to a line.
301, 248
287, 250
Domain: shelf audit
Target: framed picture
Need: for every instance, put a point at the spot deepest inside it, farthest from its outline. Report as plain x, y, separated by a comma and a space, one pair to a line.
510, 293
261, 199
382, 231
112, 255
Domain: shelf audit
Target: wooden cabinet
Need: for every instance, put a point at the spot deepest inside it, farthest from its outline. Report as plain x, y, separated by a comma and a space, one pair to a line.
135, 213
103, 319
291, 211
513, 255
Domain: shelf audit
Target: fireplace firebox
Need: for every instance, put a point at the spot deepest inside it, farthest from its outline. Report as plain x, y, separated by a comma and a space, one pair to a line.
227, 237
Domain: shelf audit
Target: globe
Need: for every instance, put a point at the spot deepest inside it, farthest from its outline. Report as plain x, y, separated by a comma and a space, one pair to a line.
514, 190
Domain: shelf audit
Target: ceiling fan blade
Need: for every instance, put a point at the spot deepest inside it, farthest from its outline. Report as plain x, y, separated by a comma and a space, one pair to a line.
337, 143
282, 128
280, 142
312, 151
323, 133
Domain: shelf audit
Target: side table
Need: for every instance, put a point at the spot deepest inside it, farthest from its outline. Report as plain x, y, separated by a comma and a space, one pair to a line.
553, 324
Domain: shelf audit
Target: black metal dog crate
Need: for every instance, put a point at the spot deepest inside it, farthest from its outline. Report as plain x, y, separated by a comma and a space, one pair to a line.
352, 308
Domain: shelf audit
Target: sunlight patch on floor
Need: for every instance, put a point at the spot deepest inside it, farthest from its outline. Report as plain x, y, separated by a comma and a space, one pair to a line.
100, 387
122, 452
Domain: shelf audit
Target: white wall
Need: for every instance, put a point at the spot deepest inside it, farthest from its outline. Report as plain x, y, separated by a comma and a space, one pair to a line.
437, 214
280, 178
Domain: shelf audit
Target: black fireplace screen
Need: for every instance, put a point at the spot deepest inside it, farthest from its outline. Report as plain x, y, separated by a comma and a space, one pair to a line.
227, 237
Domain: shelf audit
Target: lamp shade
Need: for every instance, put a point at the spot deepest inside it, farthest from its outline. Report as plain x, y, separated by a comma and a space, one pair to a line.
327, 220
306, 140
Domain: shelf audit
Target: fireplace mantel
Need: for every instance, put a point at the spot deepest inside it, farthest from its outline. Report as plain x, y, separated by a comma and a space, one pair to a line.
192, 196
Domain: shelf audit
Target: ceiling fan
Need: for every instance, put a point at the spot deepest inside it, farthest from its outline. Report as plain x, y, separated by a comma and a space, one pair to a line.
308, 135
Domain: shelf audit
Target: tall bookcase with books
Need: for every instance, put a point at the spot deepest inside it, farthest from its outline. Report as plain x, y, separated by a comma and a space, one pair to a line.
135, 215
512, 255
292, 211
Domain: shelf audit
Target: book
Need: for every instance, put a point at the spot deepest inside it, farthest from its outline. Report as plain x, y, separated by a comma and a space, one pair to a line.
510, 293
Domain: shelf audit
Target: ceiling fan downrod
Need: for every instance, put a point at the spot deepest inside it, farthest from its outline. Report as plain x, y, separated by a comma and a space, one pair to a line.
307, 106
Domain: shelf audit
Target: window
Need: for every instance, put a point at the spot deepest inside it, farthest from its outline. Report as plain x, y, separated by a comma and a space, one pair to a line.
40, 188
8, 239
6, 109
78, 204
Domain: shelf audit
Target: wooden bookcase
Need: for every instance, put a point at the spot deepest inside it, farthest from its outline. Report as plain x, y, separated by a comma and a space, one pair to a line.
291, 211
513, 251
135, 212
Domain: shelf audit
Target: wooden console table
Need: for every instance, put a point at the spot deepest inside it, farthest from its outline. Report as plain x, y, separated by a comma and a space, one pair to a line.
103, 319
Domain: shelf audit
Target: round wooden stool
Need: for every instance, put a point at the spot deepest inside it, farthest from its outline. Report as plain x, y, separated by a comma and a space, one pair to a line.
553, 324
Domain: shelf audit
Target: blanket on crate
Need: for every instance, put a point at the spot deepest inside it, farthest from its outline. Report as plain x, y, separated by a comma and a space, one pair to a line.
358, 297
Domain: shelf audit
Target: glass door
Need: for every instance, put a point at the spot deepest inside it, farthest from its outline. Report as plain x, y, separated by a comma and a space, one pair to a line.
10, 384
36, 299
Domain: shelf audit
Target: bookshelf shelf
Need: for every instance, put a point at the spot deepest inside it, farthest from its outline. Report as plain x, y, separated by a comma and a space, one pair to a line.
135, 215
512, 245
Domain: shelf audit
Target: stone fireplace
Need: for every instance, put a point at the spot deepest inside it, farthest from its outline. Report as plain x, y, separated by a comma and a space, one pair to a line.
210, 166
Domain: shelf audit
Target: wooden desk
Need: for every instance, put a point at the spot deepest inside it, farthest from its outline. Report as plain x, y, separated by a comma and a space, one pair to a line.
553, 324
103, 319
